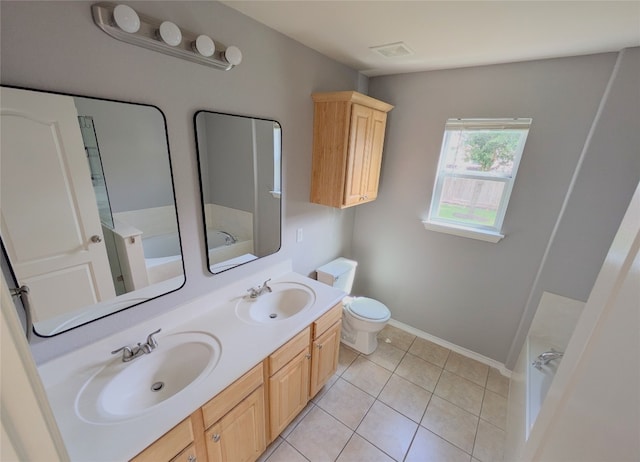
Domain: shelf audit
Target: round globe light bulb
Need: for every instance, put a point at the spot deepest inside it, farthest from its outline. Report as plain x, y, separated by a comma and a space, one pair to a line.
233, 55
204, 45
170, 33
126, 18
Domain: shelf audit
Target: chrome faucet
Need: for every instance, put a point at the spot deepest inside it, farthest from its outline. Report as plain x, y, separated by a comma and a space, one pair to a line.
130, 353
255, 292
545, 358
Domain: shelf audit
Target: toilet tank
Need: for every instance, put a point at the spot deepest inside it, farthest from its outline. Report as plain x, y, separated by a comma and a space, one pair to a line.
338, 273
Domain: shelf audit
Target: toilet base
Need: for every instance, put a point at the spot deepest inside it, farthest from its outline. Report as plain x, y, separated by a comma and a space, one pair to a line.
364, 342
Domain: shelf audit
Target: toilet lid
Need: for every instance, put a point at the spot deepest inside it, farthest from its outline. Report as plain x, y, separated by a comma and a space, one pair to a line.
368, 308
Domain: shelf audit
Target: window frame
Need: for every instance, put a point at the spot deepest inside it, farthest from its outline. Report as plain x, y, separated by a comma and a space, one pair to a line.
490, 233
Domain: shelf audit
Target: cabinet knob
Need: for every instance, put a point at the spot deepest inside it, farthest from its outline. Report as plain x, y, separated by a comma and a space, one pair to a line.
308, 356
192, 458
319, 346
96, 239
215, 437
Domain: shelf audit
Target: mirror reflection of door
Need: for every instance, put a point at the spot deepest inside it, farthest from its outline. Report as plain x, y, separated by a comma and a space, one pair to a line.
87, 205
52, 230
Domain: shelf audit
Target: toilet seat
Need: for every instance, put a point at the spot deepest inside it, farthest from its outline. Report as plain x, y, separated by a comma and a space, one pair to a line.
368, 309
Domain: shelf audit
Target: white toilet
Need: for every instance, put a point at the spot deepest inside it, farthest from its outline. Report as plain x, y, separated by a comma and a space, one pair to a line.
363, 317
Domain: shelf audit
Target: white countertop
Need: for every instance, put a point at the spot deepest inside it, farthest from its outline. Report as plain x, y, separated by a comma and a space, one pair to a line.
243, 345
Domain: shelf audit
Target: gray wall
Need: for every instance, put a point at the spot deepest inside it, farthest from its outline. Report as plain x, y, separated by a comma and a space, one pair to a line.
134, 153
56, 46
469, 292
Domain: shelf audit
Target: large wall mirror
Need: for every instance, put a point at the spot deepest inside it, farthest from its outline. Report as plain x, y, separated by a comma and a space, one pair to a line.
87, 205
240, 168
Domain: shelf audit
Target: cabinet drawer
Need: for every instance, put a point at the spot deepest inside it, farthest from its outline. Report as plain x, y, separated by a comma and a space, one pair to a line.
327, 320
169, 445
232, 395
288, 351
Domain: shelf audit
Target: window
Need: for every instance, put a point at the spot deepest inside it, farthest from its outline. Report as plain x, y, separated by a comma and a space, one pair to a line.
478, 164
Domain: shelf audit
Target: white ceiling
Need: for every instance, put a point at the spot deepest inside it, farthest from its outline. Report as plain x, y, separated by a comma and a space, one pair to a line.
449, 34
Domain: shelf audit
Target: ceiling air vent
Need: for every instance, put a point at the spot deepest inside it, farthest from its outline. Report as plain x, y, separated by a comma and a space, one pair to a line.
393, 50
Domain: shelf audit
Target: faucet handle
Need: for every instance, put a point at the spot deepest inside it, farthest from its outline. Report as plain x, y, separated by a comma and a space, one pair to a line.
127, 352
265, 286
151, 341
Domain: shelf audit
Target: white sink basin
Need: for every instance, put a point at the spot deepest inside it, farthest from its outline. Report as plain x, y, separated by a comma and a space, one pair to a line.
285, 300
124, 390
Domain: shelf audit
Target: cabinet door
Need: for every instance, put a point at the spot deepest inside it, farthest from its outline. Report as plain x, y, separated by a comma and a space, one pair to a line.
359, 146
324, 358
372, 169
240, 435
289, 392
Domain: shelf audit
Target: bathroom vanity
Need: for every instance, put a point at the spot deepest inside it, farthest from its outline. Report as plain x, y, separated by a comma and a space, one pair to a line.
222, 383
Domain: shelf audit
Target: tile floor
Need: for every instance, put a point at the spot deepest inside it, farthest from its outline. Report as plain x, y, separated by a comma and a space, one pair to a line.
411, 400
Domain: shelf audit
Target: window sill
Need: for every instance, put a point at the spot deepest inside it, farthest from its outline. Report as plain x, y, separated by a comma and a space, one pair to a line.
481, 235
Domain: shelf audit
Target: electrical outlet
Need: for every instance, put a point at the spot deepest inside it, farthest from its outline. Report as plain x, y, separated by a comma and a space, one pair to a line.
299, 235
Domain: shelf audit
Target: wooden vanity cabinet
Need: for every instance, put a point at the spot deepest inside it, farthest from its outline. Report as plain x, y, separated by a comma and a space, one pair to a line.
348, 137
325, 348
289, 370
237, 423
235, 420
175, 445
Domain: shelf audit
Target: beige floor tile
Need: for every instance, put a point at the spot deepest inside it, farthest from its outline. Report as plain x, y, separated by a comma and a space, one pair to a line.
468, 368
494, 409
452, 423
367, 376
405, 397
347, 403
489, 446
497, 382
272, 447
429, 351
289, 428
396, 337
345, 357
419, 371
286, 453
427, 447
460, 391
388, 430
360, 450
326, 388
319, 437
387, 356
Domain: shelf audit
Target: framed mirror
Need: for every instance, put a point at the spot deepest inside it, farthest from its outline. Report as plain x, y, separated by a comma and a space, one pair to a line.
87, 204
240, 184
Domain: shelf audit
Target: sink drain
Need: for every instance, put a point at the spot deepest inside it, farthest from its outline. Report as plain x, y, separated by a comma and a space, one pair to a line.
157, 386
273, 316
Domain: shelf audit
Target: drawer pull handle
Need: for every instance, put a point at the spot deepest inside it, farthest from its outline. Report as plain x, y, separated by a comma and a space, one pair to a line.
215, 437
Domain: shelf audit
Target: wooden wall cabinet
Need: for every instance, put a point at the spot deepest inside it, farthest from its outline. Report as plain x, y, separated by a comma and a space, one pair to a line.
234, 425
348, 137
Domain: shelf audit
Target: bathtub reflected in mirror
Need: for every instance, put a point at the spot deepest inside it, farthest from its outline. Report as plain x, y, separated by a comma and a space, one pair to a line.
240, 170
89, 220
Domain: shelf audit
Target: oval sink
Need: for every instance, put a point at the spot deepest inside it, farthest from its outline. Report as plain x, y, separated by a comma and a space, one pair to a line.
121, 391
285, 300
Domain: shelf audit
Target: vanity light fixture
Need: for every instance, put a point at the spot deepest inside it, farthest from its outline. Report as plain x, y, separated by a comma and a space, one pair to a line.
233, 55
126, 18
123, 23
170, 33
204, 45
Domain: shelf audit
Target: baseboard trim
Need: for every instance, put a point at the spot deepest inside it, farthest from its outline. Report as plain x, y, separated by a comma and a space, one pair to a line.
452, 346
